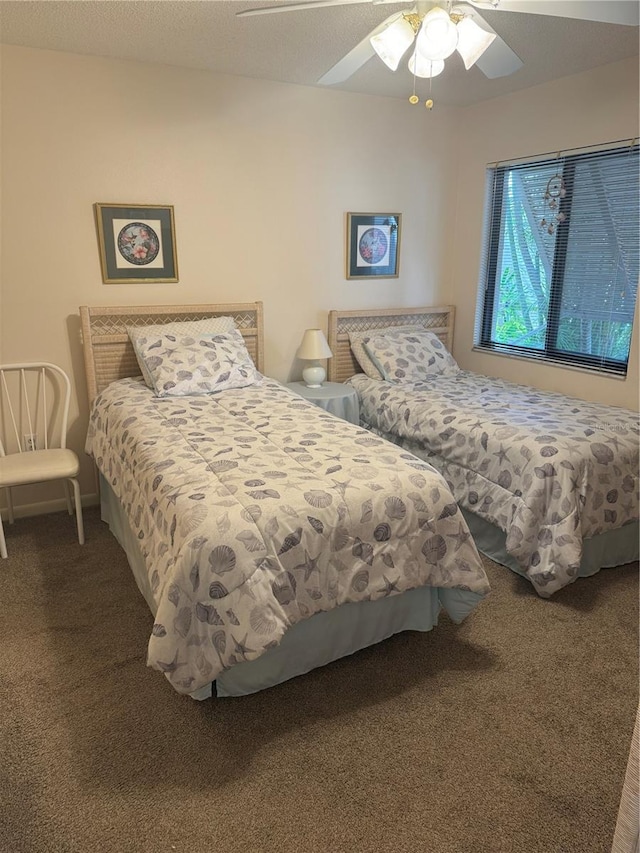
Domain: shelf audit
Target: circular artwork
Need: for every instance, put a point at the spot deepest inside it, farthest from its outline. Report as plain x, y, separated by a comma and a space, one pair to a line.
373, 245
138, 243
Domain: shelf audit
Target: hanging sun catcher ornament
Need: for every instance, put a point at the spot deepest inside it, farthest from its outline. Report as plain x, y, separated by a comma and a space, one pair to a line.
554, 193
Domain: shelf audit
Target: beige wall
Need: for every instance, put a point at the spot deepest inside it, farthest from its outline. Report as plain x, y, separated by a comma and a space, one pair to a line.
261, 176
585, 109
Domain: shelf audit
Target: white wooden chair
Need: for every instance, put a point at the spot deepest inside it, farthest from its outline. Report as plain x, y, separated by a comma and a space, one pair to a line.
34, 410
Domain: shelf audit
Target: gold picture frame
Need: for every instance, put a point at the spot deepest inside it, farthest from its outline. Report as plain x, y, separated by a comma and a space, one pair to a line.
373, 245
137, 243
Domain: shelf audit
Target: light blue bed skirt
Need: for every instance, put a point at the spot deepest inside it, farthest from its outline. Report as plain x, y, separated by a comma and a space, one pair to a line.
613, 548
316, 641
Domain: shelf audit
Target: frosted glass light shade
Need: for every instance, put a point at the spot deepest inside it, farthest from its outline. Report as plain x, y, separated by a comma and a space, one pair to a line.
392, 43
438, 35
472, 41
422, 67
314, 346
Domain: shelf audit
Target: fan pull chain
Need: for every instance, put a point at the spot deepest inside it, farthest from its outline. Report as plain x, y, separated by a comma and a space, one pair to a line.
429, 102
414, 99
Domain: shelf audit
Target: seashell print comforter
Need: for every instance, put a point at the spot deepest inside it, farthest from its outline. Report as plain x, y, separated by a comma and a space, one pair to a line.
255, 509
547, 469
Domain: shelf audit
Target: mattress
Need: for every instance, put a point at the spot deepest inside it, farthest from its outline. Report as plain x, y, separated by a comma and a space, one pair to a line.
550, 471
254, 511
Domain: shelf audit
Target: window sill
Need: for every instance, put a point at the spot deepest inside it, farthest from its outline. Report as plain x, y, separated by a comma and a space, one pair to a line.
550, 362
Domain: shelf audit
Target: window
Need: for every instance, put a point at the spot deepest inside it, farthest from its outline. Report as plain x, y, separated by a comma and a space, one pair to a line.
559, 275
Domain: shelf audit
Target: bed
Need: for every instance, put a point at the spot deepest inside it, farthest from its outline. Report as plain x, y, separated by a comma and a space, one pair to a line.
548, 483
267, 536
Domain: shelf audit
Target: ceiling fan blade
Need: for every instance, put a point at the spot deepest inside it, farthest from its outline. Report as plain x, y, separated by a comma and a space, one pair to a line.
604, 11
295, 7
357, 56
498, 60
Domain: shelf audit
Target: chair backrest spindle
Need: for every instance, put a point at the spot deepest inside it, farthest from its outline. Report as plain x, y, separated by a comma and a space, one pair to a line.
45, 410
26, 402
12, 413
26, 408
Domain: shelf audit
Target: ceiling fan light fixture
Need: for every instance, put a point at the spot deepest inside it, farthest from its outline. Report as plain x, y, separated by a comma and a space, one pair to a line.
426, 68
392, 43
438, 36
472, 41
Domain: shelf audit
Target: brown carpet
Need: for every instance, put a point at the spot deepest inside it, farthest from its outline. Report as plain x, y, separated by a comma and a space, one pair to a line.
508, 733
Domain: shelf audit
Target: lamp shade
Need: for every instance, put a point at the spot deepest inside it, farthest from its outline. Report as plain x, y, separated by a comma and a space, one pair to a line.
425, 67
438, 36
314, 346
472, 41
392, 43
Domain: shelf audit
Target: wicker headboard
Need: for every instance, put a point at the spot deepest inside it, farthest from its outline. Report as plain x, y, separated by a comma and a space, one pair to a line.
343, 365
109, 353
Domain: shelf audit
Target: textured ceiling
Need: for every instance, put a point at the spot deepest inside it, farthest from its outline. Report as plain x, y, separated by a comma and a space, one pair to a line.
300, 46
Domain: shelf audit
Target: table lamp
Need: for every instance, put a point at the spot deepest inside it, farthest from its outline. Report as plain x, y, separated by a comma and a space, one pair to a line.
314, 347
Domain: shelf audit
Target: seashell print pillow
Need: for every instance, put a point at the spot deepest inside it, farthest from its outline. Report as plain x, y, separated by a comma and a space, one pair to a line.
206, 327
357, 340
410, 356
182, 364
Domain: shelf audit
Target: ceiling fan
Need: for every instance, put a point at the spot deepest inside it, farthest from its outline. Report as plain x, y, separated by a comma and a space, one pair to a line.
429, 32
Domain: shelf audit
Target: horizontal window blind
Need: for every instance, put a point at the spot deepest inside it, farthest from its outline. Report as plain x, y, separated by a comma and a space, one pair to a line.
561, 257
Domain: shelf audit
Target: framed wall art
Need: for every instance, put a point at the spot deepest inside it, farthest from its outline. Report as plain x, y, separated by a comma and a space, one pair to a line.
137, 243
373, 245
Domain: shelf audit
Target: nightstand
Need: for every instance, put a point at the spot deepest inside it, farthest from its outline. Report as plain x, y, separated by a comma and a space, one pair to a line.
340, 400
